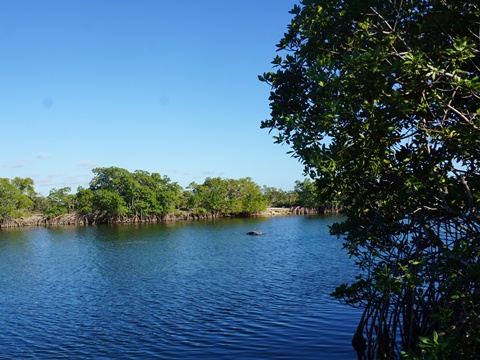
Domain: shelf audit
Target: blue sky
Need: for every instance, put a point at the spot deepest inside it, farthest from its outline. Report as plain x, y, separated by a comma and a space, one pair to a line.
162, 86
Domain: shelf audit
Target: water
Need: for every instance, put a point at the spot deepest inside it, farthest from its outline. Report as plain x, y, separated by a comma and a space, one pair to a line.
195, 290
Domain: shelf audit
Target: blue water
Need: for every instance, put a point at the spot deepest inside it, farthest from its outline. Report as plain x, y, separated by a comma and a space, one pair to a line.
185, 290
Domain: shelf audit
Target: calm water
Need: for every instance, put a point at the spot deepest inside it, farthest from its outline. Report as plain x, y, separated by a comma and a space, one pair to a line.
196, 290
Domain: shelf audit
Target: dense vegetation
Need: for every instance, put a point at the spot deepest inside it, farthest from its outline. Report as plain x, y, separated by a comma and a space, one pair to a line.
381, 102
17, 198
115, 193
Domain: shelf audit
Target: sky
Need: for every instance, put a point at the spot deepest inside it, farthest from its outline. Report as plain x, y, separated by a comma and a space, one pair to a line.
162, 86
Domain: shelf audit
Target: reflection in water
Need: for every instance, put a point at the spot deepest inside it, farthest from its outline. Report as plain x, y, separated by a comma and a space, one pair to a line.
175, 290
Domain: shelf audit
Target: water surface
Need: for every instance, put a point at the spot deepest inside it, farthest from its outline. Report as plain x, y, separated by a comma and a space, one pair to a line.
185, 290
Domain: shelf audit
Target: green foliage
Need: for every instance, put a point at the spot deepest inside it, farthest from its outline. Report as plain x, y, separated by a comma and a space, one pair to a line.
246, 197
84, 199
59, 202
228, 196
381, 103
108, 202
184, 199
307, 193
200, 211
40, 203
432, 349
14, 198
25, 185
117, 192
280, 198
155, 194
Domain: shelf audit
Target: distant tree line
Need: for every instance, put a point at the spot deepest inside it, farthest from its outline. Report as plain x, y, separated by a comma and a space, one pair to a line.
116, 192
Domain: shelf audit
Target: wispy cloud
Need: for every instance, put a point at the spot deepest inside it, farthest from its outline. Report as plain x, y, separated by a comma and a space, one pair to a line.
19, 163
87, 164
213, 173
63, 180
75, 180
42, 155
25, 161
47, 182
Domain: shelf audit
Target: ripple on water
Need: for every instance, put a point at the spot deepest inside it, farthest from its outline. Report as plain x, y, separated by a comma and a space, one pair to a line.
197, 290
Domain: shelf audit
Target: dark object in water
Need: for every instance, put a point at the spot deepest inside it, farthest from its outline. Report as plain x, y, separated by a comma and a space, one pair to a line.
255, 232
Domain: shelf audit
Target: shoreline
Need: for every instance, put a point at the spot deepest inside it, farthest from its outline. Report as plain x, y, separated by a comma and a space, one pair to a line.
91, 219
